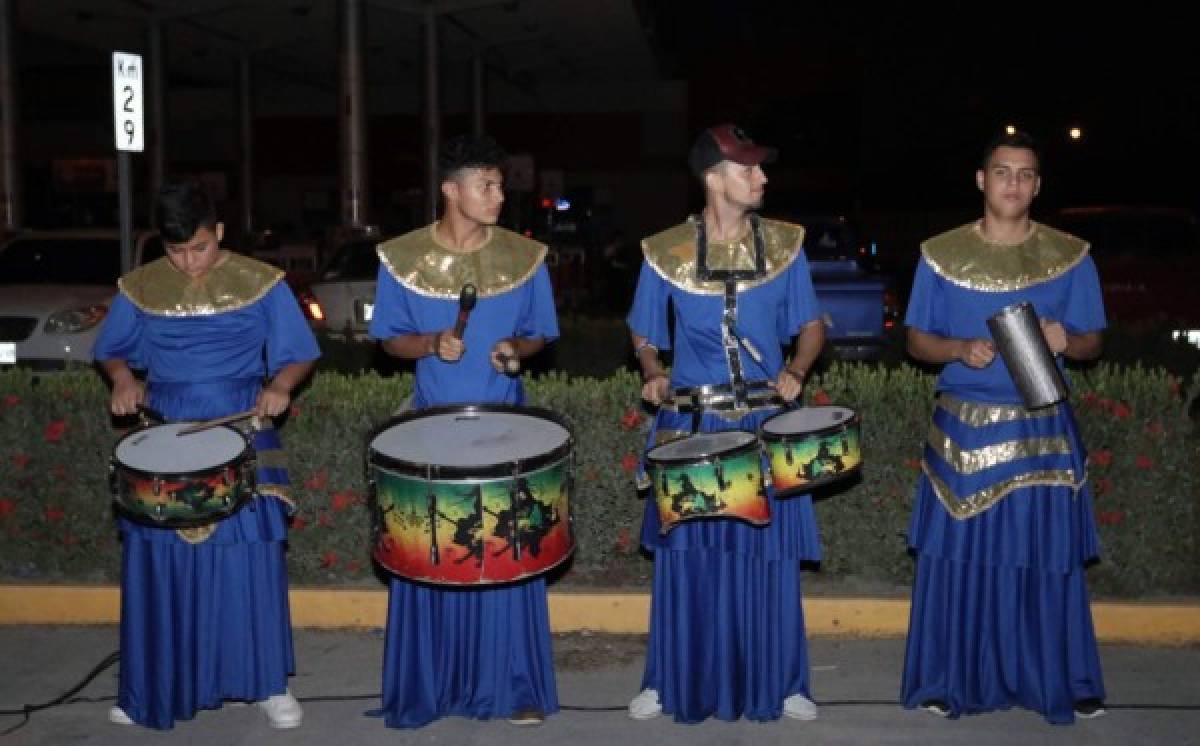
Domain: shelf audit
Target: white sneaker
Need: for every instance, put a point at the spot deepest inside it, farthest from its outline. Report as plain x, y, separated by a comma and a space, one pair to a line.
645, 705
282, 710
799, 707
117, 716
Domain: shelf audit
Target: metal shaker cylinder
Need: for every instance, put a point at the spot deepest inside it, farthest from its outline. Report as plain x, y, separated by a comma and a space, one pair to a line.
1018, 336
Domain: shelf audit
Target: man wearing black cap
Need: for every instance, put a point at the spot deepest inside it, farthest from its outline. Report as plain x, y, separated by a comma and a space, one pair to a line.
726, 625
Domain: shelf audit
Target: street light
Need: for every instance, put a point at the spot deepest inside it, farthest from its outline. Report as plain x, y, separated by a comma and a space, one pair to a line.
1011, 129
1075, 133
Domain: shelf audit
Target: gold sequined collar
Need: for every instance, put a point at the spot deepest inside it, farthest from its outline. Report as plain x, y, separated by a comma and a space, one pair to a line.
673, 255
236, 282
963, 256
421, 264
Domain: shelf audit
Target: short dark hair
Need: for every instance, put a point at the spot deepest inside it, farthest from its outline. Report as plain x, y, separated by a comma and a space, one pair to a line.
182, 208
469, 151
1016, 139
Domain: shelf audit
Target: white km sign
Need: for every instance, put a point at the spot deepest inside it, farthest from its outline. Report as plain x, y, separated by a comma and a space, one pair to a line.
128, 101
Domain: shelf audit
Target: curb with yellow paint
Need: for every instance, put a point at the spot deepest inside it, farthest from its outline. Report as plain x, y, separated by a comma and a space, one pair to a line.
614, 611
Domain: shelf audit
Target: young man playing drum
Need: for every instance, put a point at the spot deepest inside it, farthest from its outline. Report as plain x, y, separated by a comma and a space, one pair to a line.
479, 652
204, 611
740, 288
1002, 523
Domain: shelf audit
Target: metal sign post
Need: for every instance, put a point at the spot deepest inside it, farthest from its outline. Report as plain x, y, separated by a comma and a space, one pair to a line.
128, 125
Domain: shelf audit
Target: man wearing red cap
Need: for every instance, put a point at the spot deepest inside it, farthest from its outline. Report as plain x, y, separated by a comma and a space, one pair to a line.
726, 625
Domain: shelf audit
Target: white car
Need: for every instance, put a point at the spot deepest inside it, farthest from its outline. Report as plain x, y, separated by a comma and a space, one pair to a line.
55, 289
342, 299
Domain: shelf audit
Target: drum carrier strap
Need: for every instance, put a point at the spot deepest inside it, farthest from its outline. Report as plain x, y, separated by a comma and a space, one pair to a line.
730, 338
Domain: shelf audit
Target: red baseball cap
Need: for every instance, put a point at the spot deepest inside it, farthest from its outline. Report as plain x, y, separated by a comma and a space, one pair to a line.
727, 142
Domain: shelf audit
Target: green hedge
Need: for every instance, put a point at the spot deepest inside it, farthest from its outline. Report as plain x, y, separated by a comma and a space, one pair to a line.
56, 521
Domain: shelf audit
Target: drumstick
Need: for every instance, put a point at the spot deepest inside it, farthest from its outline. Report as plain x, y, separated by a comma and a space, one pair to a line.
215, 422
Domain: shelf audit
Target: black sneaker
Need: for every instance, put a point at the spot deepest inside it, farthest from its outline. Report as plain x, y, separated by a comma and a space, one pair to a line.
527, 716
937, 707
1092, 707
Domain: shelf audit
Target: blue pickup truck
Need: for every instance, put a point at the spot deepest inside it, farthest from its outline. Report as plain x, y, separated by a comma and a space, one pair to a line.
857, 305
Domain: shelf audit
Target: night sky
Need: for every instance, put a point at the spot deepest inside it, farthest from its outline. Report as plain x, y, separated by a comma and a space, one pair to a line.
894, 108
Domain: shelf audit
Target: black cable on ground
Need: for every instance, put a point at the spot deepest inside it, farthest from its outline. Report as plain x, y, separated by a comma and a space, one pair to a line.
27, 710
69, 697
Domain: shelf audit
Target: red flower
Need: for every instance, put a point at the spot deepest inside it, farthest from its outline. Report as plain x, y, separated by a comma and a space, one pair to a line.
294, 412
1110, 517
7, 507
329, 560
631, 419
54, 515
317, 481
912, 463
1103, 459
19, 460
54, 431
68, 394
70, 540
1121, 410
622, 543
820, 398
324, 520
298, 522
353, 566
1173, 384
344, 499
60, 472
1144, 462
1089, 399
12, 400
1155, 428
1100, 485
629, 462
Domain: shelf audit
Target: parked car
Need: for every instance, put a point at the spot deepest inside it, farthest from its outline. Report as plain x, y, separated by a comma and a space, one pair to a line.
1148, 259
56, 288
342, 298
856, 300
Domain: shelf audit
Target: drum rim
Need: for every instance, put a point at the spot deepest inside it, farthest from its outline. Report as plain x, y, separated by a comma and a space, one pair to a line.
494, 470
750, 445
245, 454
375, 552
769, 437
175, 523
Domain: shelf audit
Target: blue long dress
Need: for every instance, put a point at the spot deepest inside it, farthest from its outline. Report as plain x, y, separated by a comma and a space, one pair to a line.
473, 652
727, 635
207, 622
1000, 613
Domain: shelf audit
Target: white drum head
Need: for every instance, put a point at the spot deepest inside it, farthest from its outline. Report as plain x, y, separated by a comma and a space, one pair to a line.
807, 420
701, 445
159, 450
462, 439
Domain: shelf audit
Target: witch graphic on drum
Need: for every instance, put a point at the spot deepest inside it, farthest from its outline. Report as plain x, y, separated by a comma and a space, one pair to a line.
472, 495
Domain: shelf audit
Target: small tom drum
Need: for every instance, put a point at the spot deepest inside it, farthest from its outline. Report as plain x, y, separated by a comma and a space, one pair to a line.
164, 479
811, 447
709, 475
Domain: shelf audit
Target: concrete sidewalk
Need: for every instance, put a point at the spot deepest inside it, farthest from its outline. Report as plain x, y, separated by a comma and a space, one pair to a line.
1154, 697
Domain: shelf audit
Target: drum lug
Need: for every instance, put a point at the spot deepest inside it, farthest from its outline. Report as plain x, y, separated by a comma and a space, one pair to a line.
160, 511
156, 488
113, 481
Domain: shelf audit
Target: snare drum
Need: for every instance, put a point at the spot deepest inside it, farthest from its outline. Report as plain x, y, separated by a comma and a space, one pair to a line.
811, 447
709, 475
164, 479
472, 495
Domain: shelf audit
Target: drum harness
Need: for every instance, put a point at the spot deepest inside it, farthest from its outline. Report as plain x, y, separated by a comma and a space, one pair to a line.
739, 395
